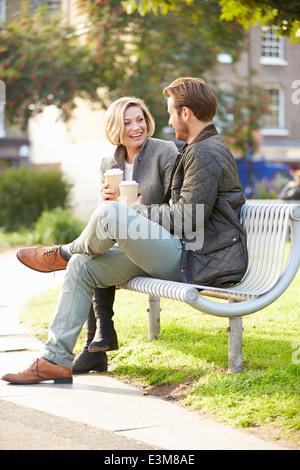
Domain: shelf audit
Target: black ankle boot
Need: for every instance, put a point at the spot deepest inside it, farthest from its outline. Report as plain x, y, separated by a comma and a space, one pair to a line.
88, 361
105, 338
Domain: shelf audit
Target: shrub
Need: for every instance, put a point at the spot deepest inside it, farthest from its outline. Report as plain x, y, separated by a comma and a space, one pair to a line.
57, 227
265, 190
26, 193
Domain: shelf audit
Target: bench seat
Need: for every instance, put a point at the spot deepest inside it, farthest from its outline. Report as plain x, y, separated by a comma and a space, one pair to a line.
269, 273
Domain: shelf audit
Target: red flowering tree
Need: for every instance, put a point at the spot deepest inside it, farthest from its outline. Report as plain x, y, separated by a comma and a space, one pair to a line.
44, 61
148, 52
41, 63
240, 114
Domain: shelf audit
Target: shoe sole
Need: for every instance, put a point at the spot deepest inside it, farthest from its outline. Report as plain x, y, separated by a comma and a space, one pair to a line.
39, 270
66, 380
110, 347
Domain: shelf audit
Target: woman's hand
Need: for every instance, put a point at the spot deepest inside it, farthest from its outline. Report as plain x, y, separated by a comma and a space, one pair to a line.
108, 193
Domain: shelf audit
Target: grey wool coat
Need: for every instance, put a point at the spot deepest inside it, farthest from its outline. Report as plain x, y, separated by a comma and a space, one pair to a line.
152, 168
205, 173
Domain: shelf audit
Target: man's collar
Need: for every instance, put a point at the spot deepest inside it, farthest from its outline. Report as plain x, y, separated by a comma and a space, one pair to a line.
206, 132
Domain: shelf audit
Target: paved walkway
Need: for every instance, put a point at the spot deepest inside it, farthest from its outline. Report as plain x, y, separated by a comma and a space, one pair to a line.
96, 411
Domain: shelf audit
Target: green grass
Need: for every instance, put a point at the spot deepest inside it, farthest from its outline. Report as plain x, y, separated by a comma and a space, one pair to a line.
22, 237
189, 359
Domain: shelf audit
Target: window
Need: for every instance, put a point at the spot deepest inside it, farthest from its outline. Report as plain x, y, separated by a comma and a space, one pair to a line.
224, 58
2, 107
224, 118
2, 10
272, 48
271, 44
274, 120
2, 127
52, 4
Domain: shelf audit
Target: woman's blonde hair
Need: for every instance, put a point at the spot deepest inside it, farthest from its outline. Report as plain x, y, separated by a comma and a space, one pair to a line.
114, 118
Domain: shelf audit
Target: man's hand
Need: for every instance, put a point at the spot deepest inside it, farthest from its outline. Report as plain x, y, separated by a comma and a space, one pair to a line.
124, 200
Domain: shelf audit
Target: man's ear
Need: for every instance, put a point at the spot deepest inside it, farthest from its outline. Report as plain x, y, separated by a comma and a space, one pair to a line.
186, 113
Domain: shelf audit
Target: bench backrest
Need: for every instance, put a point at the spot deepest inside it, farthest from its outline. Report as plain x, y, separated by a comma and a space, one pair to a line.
267, 228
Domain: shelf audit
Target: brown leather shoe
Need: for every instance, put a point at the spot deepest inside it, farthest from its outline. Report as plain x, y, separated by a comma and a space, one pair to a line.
42, 259
40, 371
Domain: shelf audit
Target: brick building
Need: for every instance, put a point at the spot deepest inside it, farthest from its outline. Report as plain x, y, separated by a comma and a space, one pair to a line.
276, 63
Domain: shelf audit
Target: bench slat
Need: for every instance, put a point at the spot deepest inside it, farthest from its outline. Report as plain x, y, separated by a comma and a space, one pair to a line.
267, 228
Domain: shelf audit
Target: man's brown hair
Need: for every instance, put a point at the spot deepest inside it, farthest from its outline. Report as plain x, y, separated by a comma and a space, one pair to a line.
195, 94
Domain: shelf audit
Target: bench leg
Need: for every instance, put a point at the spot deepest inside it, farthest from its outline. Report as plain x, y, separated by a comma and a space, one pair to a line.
235, 345
153, 317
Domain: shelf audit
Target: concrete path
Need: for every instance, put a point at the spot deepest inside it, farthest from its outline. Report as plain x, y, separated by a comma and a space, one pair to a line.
96, 411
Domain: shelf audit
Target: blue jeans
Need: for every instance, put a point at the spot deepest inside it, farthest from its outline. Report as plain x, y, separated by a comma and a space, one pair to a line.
116, 245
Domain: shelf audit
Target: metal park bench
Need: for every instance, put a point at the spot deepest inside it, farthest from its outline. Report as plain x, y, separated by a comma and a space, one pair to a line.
268, 275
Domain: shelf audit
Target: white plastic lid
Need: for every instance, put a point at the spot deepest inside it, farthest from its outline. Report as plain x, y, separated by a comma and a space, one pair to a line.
128, 182
113, 171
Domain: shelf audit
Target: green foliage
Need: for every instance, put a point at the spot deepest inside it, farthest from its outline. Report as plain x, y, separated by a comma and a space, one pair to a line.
25, 194
154, 6
57, 227
265, 190
42, 62
21, 237
149, 52
276, 13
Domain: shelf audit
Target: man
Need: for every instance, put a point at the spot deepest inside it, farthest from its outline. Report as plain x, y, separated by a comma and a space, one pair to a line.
291, 191
151, 240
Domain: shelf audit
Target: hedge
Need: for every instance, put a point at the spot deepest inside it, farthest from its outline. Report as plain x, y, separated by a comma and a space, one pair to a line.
25, 193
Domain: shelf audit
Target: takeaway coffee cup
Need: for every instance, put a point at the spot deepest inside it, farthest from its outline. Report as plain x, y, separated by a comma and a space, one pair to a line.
129, 189
114, 177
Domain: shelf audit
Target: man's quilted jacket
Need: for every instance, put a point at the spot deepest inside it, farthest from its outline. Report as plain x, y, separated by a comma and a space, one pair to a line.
206, 175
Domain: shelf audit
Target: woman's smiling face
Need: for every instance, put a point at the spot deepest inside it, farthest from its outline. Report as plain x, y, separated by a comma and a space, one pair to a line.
135, 127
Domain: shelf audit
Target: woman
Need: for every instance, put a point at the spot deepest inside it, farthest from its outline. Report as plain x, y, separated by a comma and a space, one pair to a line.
129, 125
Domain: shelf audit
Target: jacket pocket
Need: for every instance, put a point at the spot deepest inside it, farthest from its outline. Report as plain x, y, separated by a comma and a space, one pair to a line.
220, 240
221, 262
